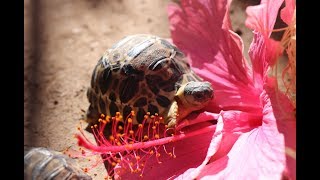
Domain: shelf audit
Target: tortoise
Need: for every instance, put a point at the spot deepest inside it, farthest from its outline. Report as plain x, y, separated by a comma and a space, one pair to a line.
146, 74
45, 163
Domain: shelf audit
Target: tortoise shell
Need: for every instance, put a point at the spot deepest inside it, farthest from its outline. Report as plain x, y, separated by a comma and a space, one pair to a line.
43, 163
140, 73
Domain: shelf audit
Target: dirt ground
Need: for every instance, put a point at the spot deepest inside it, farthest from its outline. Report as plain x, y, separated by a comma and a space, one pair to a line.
63, 42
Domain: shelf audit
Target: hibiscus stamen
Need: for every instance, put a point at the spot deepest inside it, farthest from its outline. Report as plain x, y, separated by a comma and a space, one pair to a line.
127, 145
288, 75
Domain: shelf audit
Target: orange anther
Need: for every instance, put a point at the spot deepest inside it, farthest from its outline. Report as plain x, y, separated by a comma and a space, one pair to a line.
145, 137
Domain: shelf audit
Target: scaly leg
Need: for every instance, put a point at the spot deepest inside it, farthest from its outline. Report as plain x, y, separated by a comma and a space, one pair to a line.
172, 115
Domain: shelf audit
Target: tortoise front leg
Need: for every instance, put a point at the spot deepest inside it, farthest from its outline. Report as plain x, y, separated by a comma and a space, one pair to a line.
172, 115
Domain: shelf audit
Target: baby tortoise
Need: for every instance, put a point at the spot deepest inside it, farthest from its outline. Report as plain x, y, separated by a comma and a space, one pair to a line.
145, 73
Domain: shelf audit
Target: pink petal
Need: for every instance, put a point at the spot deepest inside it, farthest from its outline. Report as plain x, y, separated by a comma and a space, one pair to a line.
214, 146
255, 155
231, 125
258, 151
289, 130
287, 12
263, 53
262, 17
235, 124
201, 29
284, 112
195, 118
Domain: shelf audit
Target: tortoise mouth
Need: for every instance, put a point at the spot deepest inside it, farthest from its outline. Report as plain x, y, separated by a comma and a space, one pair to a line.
203, 95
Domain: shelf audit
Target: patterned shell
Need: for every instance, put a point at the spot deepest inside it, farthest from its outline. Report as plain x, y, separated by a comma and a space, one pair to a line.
140, 73
42, 163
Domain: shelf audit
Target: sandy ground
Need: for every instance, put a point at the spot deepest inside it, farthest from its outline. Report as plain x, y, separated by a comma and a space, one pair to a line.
63, 41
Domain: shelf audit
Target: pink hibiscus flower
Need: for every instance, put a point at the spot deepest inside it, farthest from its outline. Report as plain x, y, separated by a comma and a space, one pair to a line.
254, 133
258, 121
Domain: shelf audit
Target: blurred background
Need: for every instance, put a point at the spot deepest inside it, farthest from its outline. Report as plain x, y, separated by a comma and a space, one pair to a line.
63, 41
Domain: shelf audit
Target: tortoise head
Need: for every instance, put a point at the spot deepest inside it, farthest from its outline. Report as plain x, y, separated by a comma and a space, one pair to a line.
193, 96
197, 93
